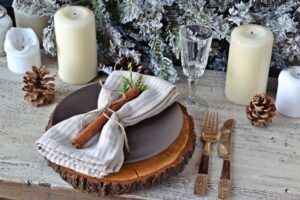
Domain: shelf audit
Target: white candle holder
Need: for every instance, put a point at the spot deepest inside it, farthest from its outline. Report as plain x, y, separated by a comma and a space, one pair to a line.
22, 50
288, 92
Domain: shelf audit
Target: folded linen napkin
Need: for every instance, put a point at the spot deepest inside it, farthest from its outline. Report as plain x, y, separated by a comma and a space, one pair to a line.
103, 154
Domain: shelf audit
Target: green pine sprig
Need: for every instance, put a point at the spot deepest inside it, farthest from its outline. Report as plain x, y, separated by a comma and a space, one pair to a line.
128, 83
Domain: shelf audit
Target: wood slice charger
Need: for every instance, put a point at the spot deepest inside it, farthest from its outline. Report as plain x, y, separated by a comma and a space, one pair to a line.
141, 174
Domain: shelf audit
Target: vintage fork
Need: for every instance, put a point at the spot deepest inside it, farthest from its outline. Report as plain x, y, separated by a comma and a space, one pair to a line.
209, 134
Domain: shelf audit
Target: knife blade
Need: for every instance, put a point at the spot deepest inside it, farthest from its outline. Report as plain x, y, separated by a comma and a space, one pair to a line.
224, 148
224, 151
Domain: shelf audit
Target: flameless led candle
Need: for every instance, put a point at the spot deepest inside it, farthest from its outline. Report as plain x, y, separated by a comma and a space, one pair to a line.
288, 92
248, 62
37, 23
5, 24
22, 49
75, 33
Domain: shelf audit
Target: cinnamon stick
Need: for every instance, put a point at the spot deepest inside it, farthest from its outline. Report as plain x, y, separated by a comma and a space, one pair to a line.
88, 132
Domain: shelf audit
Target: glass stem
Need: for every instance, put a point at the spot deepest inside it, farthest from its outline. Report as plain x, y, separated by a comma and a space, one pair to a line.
192, 87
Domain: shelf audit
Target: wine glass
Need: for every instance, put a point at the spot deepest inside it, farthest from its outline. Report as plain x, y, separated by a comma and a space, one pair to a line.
195, 41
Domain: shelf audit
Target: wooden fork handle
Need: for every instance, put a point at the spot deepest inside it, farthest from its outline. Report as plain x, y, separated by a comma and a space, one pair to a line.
202, 176
225, 183
203, 167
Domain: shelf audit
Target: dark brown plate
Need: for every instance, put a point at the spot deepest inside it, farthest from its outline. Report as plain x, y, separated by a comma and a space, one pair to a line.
146, 139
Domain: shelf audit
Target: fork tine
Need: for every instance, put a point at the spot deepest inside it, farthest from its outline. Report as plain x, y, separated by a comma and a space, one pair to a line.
204, 124
205, 120
211, 120
216, 122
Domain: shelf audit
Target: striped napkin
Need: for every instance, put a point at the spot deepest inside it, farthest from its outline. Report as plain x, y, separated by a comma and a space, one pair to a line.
103, 154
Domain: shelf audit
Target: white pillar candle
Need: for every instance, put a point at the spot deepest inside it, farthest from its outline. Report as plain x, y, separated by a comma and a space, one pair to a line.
248, 62
22, 50
37, 23
75, 34
288, 92
5, 24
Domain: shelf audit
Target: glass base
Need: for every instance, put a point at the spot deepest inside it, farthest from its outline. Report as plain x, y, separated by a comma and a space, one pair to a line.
191, 101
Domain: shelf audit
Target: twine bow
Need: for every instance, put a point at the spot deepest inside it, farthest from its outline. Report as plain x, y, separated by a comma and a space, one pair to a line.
103, 110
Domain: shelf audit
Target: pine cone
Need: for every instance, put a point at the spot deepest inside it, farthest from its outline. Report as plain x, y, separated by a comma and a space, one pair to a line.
261, 110
38, 91
123, 64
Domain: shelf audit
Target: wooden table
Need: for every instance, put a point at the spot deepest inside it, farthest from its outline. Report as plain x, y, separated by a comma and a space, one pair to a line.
266, 162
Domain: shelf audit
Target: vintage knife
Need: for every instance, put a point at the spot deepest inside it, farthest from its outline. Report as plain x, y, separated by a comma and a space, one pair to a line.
224, 151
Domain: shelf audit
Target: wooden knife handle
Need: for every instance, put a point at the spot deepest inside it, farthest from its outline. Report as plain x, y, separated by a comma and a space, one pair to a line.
202, 176
225, 183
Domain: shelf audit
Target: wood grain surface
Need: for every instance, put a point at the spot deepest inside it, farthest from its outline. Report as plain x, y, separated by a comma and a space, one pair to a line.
265, 162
